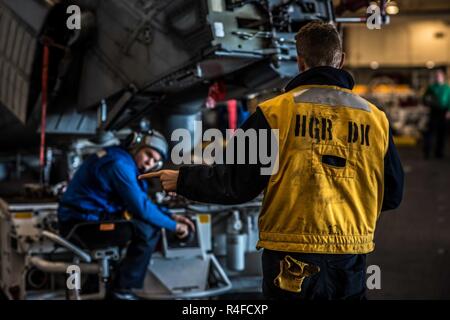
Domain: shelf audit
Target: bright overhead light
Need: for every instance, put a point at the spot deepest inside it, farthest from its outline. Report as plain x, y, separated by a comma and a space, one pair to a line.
430, 64
392, 8
374, 65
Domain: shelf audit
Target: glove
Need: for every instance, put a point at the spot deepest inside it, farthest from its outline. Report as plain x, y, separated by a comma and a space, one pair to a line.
292, 273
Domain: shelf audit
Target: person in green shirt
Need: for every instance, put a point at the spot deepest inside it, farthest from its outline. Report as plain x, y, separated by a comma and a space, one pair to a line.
437, 98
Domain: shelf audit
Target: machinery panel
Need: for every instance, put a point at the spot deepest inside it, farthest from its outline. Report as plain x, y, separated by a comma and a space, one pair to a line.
19, 30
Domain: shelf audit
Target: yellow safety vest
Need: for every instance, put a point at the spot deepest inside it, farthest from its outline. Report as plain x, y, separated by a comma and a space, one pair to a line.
328, 192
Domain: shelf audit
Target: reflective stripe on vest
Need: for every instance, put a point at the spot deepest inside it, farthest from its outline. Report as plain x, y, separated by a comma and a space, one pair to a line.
331, 97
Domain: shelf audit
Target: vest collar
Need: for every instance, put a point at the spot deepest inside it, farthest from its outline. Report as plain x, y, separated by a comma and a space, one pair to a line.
322, 76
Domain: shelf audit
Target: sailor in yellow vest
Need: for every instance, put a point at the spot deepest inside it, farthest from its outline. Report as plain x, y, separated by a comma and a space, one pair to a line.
338, 169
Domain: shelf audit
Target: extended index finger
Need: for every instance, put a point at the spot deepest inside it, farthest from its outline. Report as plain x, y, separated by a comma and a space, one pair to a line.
150, 175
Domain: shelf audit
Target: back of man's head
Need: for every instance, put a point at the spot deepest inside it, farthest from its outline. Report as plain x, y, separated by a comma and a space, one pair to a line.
319, 44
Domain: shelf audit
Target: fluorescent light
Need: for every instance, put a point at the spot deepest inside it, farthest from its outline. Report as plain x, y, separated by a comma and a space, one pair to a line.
392, 8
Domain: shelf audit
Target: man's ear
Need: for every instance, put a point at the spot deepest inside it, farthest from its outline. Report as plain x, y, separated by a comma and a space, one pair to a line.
341, 64
301, 64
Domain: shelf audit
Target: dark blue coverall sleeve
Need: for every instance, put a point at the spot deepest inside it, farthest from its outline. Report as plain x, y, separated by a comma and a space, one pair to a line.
165, 210
124, 180
393, 177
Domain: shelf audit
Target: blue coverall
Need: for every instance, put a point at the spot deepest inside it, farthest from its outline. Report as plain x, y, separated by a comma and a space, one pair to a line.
103, 188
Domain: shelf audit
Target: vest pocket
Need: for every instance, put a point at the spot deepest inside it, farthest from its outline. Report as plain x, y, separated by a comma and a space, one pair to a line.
332, 160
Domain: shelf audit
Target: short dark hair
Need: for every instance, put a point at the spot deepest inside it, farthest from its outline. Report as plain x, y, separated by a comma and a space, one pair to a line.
319, 44
441, 69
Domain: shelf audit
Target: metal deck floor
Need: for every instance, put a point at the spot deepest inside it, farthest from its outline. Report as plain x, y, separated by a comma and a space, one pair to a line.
413, 242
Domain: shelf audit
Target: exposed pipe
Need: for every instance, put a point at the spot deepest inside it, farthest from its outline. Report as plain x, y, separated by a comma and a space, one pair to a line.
363, 19
61, 267
351, 20
44, 91
66, 244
